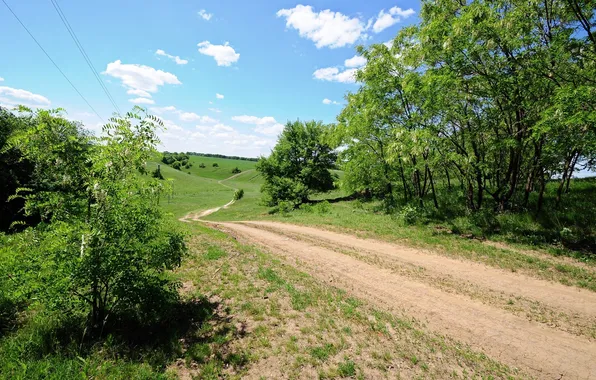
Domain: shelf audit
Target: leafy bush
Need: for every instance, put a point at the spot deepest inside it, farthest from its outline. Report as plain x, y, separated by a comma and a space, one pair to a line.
236, 170
202, 165
157, 174
215, 165
286, 207
108, 252
322, 207
238, 194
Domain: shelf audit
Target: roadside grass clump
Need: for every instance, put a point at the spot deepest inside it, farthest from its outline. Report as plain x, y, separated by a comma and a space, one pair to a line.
214, 253
347, 368
323, 352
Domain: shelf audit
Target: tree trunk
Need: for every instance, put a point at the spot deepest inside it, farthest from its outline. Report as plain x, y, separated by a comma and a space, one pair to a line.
541, 194
432, 186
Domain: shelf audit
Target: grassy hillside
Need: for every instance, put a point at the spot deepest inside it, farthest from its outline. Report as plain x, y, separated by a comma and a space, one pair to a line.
222, 171
191, 192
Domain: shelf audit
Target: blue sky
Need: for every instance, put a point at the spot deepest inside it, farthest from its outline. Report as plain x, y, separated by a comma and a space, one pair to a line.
269, 61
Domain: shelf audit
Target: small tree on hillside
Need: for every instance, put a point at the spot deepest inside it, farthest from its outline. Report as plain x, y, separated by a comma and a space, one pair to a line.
298, 165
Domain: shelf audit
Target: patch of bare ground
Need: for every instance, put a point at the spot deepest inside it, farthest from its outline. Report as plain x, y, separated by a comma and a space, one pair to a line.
297, 326
576, 315
535, 348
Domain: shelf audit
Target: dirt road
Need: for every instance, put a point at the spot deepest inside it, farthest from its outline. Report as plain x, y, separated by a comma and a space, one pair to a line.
543, 328
193, 216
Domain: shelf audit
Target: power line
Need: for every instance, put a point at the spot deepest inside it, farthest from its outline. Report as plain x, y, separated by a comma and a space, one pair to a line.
84, 53
51, 60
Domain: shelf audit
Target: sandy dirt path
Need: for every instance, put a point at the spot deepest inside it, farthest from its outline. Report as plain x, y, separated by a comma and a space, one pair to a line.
194, 216
536, 349
568, 298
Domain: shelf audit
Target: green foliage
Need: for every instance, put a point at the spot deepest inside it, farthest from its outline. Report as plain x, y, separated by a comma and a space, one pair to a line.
475, 108
202, 165
157, 173
215, 165
238, 194
298, 165
236, 170
347, 368
107, 246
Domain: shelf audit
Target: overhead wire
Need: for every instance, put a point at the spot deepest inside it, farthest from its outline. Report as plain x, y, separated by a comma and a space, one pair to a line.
84, 54
51, 60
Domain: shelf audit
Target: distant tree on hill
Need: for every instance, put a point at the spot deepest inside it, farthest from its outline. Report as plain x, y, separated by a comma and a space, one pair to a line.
298, 165
215, 165
236, 170
202, 165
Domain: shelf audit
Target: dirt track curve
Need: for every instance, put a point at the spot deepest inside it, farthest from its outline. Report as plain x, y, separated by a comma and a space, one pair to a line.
459, 299
197, 216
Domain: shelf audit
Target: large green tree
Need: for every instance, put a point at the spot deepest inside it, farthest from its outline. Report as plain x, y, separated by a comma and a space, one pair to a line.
299, 165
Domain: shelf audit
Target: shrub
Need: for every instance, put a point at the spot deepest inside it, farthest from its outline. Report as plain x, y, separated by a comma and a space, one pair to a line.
157, 174
236, 170
286, 207
238, 194
202, 165
215, 165
322, 207
110, 253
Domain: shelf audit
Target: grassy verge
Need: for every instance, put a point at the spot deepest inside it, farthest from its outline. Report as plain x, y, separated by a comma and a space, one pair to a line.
287, 323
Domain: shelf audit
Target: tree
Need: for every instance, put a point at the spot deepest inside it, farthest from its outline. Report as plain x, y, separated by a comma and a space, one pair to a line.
299, 164
107, 242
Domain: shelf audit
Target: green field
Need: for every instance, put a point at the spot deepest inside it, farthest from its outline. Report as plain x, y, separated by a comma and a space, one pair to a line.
222, 171
191, 192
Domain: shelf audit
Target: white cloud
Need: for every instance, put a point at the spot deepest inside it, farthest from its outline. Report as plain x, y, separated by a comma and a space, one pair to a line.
204, 15
1, 79
389, 44
254, 120
191, 116
216, 110
142, 101
325, 28
13, 96
160, 110
393, 16
329, 101
265, 125
224, 54
272, 130
355, 61
140, 77
218, 138
333, 74
175, 58
219, 96
141, 93
182, 115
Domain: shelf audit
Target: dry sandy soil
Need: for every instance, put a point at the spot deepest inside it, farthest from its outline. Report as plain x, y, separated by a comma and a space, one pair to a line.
544, 328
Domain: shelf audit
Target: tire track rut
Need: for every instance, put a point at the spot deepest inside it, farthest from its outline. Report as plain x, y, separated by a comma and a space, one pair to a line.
511, 339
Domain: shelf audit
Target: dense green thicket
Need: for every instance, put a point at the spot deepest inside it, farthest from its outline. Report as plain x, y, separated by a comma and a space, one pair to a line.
475, 109
298, 165
176, 160
102, 247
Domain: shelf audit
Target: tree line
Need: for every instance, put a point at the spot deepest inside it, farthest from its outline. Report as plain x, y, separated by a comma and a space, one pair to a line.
472, 112
499, 96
